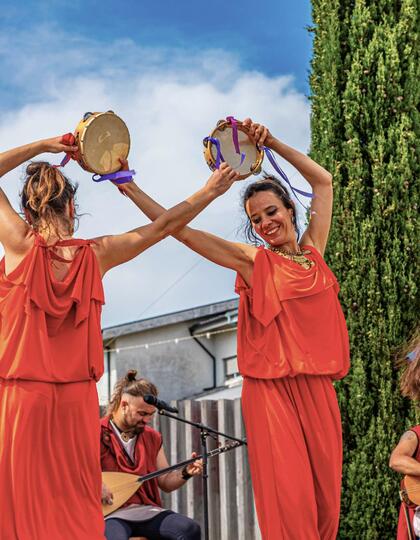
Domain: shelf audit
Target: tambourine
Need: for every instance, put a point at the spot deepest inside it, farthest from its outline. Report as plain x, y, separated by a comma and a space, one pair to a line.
103, 140
230, 142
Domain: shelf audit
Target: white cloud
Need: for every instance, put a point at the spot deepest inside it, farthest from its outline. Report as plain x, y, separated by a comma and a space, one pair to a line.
170, 100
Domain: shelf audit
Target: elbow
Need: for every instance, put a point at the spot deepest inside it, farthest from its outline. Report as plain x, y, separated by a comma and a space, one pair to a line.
328, 179
394, 463
163, 487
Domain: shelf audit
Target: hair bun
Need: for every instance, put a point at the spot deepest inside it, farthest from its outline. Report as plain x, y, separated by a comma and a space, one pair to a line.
35, 166
131, 375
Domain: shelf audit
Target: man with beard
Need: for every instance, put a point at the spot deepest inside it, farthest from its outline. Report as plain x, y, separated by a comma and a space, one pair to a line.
129, 444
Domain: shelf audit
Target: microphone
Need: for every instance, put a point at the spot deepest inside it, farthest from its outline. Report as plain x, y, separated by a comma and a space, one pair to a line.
159, 404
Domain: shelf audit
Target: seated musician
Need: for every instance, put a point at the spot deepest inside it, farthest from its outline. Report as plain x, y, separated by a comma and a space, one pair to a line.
405, 457
129, 444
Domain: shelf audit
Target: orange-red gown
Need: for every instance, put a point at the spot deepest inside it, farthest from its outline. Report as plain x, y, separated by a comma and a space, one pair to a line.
292, 341
50, 359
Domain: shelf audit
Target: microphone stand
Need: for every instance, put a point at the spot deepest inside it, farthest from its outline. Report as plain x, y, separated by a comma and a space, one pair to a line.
205, 432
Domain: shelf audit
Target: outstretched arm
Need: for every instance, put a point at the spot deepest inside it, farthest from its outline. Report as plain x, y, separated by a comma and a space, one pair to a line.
13, 229
320, 180
114, 250
234, 255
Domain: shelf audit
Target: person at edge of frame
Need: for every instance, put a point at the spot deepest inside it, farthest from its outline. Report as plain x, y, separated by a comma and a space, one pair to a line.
405, 458
129, 444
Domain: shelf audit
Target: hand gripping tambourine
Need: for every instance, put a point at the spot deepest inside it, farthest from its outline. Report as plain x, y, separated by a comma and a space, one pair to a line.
103, 140
230, 142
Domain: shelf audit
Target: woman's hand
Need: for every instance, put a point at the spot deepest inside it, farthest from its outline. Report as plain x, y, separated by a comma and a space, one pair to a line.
55, 145
123, 188
259, 133
221, 179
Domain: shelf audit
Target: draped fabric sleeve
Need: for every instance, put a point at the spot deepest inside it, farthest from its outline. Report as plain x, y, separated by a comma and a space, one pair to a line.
50, 329
290, 320
261, 299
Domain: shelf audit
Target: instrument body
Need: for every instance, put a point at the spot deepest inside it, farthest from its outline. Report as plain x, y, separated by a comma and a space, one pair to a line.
253, 156
103, 139
410, 490
124, 485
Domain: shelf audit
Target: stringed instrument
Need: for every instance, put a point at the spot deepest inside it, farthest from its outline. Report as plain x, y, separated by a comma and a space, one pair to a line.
410, 490
124, 485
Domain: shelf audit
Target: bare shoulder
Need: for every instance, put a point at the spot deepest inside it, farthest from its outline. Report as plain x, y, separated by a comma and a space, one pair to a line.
407, 445
409, 436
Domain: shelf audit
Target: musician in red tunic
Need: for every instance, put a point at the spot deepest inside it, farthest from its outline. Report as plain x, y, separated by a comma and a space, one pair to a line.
405, 457
129, 444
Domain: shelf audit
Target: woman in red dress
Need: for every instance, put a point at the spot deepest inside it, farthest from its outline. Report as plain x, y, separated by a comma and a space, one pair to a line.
292, 343
51, 353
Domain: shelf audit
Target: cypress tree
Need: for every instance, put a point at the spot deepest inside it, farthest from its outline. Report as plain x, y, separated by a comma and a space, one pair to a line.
365, 92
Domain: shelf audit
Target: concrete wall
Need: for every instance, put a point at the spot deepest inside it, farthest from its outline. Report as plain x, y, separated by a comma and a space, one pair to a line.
224, 347
178, 369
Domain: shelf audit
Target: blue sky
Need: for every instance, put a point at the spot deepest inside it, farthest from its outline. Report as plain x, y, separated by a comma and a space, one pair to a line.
270, 36
171, 71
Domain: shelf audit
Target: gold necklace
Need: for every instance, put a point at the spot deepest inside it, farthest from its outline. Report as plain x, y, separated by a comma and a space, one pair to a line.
295, 256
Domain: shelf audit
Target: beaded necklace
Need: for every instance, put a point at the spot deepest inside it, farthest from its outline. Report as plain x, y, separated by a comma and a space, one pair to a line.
295, 256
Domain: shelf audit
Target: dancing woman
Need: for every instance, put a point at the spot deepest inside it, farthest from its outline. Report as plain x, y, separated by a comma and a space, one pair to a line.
292, 342
51, 352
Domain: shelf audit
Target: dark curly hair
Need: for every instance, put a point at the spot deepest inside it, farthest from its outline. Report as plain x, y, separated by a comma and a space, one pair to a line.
267, 183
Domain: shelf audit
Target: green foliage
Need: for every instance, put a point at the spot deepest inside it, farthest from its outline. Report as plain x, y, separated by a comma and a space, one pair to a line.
365, 128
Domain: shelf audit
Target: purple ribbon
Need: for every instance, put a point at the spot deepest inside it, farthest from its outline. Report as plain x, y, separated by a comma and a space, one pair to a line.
219, 156
234, 123
277, 167
119, 177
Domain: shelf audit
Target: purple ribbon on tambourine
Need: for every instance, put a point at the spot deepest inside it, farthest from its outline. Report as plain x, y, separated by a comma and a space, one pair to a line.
278, 169
234, 123
119, 177
219, 156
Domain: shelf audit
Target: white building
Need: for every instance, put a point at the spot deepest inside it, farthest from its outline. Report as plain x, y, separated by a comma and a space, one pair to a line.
189, 354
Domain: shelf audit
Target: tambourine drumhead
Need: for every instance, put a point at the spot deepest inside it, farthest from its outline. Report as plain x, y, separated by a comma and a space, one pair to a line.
253, 155
103, 139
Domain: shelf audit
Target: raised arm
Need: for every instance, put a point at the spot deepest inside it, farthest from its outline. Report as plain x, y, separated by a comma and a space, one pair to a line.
114, 250
234, 255
14, 231
320, 180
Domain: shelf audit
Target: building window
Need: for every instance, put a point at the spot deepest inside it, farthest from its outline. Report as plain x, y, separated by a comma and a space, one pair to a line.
231, 367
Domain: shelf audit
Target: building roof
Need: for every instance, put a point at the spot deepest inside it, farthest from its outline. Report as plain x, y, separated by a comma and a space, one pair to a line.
170, 318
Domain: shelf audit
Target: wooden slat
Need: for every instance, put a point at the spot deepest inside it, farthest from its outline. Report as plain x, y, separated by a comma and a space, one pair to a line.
231, 506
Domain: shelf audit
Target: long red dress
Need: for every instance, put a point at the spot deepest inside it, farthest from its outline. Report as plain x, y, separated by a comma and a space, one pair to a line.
50, 359
292, 341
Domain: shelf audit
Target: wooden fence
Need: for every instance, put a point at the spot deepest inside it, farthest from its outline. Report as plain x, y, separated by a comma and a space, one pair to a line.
231, 507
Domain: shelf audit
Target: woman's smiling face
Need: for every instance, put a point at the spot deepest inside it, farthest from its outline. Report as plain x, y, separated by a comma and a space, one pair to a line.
271, 220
